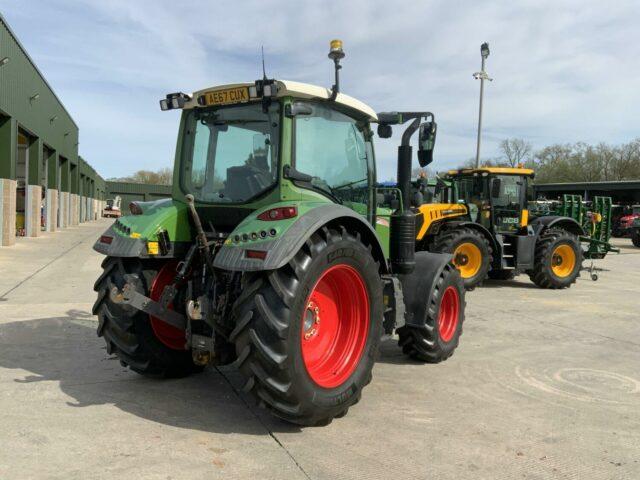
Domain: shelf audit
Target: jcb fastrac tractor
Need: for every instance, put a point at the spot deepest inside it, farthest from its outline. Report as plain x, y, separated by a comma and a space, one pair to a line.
490, 231
272, 253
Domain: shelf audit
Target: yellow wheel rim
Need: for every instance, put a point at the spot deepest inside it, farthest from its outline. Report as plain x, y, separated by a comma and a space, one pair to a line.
467, 258
563, 261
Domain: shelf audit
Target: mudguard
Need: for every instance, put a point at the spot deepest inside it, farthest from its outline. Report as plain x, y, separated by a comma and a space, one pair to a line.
128, 236
417, 287
567, 223
278, 251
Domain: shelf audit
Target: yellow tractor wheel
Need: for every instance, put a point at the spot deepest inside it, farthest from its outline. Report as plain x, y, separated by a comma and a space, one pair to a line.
471, 253
558, 259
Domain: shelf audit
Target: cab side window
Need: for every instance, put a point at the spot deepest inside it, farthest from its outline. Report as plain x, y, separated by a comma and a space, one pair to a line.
330, 147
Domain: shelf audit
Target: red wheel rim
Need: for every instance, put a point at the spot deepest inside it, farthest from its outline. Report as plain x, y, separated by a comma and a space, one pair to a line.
335, 324
169, 335
448, 314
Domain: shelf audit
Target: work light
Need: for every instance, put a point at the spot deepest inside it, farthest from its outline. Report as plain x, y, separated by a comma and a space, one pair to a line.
335, 50
484, 50
174, 100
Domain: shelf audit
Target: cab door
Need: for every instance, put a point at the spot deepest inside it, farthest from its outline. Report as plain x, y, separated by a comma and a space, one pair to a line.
507, 195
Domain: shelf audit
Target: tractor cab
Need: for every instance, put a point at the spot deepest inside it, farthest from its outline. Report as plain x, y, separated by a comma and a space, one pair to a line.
495, 197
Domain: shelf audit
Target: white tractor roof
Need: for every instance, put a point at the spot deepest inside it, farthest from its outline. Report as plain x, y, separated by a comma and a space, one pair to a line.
298, 90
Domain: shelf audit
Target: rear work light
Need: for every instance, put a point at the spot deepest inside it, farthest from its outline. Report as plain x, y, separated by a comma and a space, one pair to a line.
279, 213
174, 101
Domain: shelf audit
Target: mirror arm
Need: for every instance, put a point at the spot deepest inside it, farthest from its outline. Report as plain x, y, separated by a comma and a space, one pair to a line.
406, 136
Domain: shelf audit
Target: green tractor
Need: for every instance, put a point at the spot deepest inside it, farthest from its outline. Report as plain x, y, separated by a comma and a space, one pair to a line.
271, 253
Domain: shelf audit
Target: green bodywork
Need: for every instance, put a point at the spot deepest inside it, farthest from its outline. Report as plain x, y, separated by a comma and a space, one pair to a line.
172, 215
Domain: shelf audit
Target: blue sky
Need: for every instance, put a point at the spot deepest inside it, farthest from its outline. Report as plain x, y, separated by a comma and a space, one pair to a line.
564, 71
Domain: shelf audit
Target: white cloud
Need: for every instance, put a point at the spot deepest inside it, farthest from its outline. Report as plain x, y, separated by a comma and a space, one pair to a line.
564, 70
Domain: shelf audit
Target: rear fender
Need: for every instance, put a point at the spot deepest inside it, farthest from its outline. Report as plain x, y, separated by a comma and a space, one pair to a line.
290, 236
129, 234
541, 224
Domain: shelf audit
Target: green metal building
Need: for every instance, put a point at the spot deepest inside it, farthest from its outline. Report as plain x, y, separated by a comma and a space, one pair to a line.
44, 184
142, 192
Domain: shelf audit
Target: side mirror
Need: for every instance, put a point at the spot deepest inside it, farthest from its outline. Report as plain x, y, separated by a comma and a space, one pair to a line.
384, 130
426, 142
496, 185
298, 108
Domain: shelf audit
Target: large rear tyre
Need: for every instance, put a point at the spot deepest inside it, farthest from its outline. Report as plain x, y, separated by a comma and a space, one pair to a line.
472, 253
438, 337
140, 342
635, 237
558, 259
307, 334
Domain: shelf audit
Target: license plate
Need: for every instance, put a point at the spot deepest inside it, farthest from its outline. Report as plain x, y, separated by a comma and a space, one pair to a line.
228, 96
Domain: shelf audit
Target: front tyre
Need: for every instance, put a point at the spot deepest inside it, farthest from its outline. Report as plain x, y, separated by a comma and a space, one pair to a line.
437, 327
472, 254
307, 334
635, 237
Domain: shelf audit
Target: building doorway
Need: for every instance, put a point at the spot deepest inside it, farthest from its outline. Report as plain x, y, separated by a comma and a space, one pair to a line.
22, 171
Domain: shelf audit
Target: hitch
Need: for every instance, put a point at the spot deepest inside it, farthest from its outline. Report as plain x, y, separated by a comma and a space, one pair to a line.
129, 296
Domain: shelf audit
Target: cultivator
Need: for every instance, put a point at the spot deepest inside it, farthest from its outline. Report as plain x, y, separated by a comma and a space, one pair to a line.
595, 220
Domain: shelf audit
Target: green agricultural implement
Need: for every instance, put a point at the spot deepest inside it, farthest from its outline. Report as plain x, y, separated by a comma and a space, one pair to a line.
272, 253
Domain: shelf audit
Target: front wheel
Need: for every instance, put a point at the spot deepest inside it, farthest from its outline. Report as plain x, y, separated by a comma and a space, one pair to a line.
635, 237
436, 308
472, 253
307, 334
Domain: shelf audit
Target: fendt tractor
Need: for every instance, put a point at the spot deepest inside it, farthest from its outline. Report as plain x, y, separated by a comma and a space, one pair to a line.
493, 229
272, 253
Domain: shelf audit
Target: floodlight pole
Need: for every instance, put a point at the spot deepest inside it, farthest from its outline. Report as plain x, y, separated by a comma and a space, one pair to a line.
482, 76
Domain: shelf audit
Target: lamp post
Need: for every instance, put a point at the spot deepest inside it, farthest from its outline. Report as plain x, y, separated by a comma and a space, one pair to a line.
482, 76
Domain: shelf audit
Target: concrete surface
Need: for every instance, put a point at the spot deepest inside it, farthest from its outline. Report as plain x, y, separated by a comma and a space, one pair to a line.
545, 385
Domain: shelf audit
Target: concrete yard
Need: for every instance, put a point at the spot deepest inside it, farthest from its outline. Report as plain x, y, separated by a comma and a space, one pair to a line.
545, 384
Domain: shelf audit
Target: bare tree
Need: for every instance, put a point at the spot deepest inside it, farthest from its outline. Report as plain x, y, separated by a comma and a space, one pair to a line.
163, 176
515, 151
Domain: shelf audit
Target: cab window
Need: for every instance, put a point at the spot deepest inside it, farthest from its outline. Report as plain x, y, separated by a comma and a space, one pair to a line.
331, 147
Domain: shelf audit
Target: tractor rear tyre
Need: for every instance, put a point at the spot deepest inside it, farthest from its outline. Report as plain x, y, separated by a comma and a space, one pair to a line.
146, 345
502, 274
471, 253
437, 339
307, 334
635, 237
558, 259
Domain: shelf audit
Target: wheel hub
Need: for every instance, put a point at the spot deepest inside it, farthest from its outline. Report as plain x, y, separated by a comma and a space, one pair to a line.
467, 258
311, 320
461, 259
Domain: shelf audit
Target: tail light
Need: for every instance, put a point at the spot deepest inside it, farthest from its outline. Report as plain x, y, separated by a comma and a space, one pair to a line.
278, 213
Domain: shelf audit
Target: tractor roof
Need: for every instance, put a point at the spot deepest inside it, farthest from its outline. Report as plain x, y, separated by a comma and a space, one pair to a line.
527, 172
288, 88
